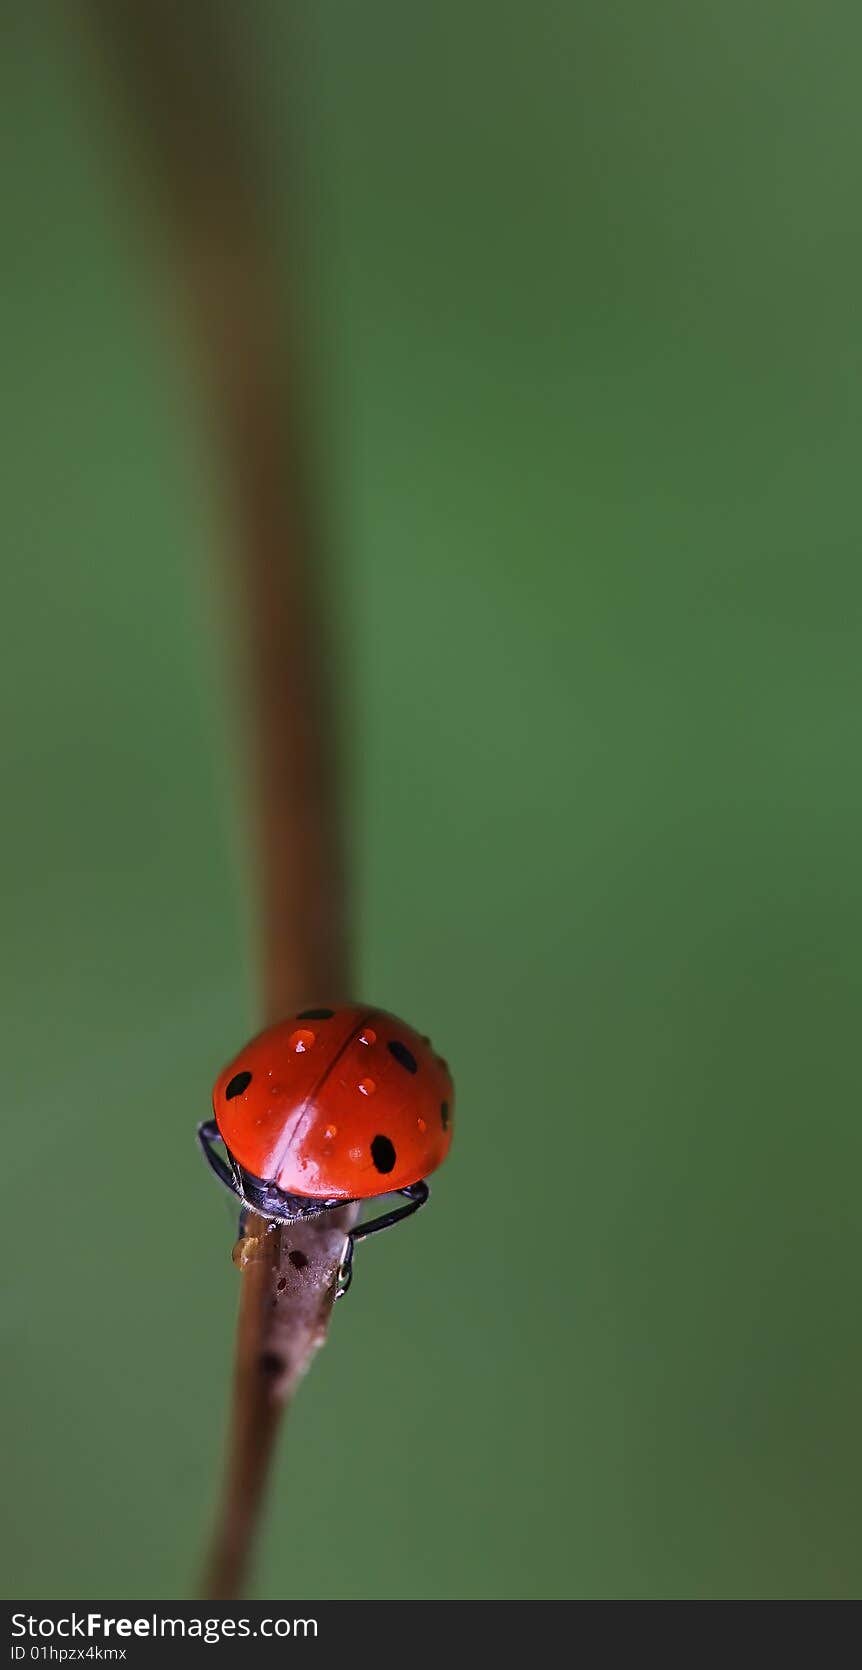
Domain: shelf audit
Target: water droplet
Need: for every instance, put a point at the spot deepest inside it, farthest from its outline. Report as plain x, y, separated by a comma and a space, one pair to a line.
367, 1086
244, 1250
331, 1132
422, 1125
301, 1040
368, 1036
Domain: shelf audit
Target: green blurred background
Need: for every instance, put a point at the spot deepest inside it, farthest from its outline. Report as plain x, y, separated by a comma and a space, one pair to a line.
583, 309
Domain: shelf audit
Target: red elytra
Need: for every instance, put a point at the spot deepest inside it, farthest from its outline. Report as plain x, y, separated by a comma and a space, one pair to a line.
335, 1105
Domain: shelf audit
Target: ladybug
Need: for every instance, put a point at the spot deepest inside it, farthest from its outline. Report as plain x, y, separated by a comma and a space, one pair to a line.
330, 1106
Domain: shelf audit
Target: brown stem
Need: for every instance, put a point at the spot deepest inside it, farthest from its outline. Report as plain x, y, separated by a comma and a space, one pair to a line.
287, 1292
176, 74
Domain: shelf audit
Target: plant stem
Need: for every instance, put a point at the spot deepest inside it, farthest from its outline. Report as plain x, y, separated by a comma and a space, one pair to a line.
177, 77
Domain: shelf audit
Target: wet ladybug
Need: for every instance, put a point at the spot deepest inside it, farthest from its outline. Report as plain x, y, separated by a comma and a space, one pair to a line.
329, 1106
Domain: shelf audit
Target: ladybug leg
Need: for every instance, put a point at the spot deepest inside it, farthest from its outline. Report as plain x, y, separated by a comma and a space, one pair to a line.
208, 1134
416, 1193
345, 1273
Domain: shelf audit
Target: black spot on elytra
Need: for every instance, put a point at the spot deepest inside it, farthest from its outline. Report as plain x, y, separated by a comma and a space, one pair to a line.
403, 1056
272, 1364
444, 1115
238, 1084
383, 1153
316, 1015
297, 1259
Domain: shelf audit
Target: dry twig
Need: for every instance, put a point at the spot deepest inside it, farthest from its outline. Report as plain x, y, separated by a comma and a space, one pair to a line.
176, 77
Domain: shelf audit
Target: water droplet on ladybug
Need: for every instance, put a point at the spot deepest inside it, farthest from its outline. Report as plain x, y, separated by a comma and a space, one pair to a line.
367, 1086
331, 1132
301, 1040
368, 1036
422, 1125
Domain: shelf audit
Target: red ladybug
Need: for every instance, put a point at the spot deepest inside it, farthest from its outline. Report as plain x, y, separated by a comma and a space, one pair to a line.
332, 1105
